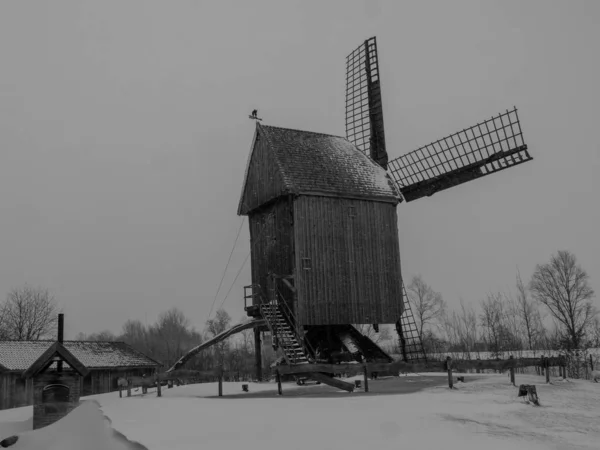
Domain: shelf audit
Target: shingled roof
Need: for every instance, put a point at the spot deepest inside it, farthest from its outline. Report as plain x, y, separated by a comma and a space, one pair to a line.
308, 163
20, 355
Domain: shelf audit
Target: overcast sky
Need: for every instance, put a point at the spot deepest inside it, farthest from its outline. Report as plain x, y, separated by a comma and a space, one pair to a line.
124, 136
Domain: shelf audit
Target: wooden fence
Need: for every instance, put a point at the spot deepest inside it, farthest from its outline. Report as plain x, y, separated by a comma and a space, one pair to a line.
544, 365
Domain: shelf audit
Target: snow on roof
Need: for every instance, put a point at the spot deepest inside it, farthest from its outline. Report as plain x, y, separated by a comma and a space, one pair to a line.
322, 162
20, 355
312, 163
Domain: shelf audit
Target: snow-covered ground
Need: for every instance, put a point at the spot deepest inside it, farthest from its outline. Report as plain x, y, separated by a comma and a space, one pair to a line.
419, 411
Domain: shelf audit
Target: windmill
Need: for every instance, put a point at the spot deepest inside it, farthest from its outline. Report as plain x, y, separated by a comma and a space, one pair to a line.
321, 209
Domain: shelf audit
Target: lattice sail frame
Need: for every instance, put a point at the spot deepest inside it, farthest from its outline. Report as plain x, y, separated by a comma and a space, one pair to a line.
364, 106
414, 350
493, 145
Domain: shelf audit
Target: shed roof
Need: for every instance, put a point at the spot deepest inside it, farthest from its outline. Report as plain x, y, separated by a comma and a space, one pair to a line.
320, 164
20, 355
46, 360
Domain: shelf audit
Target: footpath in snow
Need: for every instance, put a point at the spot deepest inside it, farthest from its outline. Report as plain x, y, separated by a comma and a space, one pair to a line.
420, 411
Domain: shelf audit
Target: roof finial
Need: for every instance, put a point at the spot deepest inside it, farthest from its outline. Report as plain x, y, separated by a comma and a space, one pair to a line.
254, 115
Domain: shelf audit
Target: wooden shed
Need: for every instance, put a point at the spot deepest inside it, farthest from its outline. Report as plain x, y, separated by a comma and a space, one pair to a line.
106, 361
323, 226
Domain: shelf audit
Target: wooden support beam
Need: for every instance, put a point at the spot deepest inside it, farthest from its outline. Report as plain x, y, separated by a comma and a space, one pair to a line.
512, 373
279, 390
449, 369
365, 370
257, 355
400, 366
158, 385
221, 382
334, 382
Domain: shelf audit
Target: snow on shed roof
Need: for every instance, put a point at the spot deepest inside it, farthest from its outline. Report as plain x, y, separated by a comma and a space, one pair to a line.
20, 355
313, 163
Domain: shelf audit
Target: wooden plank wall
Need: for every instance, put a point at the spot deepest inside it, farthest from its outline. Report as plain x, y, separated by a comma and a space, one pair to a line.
15, 391
272, 241
264, 182
354, 256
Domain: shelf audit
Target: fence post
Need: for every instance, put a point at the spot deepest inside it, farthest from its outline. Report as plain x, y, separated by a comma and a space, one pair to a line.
449, 367
220, 381
366, 378
278, 377
547, 364
128, 388
478, 369
512, 370
591, 363
158, 385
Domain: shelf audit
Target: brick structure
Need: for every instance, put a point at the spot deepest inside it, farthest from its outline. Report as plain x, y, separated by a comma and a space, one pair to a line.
48, 386
56, 389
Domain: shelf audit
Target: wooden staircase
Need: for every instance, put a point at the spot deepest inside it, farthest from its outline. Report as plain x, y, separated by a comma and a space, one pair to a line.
285, 337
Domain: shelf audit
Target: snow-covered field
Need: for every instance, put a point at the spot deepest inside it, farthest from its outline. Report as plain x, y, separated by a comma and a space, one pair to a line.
483, 412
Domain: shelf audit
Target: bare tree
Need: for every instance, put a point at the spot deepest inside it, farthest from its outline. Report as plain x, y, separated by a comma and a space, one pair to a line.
562, 286
3, 328
594, 333
29, 313
172, 330
529, 315
461, 329
216, 326
427, 305
500, 331
102, 336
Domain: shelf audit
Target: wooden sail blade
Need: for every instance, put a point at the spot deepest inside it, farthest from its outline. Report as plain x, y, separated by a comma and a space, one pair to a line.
364, 107
493, 145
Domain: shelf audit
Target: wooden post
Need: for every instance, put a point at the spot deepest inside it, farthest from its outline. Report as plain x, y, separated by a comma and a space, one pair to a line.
278, 377
158, 385
128, 388
478, 370
257, 355
591, 363
366, 378
449, 367
220, 381
120, 392
547, 364
512, 372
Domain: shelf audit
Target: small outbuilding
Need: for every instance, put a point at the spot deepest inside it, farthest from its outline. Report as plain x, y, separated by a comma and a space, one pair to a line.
56, 391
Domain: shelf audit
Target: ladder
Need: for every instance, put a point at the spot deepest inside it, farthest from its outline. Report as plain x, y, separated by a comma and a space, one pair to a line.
282, 331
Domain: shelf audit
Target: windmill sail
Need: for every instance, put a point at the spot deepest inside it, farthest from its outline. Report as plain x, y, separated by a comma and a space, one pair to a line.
364, 108
493, 145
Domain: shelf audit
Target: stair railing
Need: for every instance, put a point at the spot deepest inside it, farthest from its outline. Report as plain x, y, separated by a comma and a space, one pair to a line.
292, 322
270, 308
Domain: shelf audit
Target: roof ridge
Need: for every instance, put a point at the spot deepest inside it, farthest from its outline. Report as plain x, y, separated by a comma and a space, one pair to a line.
305, 131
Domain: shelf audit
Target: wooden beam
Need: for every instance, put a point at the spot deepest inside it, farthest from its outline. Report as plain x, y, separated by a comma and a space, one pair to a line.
400, 366
325, 379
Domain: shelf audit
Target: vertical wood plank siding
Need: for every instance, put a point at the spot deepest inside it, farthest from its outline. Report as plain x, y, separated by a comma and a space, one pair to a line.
272, 242
264, 181
354, 255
